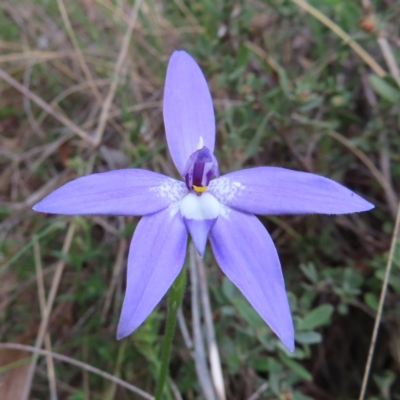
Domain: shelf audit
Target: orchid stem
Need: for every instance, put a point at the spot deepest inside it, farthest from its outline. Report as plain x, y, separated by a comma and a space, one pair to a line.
175, 297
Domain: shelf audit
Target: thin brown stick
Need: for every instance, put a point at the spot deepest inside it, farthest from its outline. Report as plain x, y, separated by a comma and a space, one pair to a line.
64, 120
79, 364
42, 301
50, 301
117, 70
343, 35
381, 303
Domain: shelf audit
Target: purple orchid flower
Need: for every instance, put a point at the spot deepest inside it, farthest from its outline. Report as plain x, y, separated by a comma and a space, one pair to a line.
222, 209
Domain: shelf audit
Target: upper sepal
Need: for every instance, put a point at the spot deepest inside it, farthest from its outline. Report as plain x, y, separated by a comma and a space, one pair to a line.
188, 109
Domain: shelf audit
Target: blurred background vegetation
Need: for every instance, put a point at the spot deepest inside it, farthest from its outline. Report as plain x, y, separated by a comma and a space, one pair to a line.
288, 92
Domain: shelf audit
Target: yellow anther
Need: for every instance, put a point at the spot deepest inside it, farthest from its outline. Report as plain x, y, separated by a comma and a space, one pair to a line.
199, 189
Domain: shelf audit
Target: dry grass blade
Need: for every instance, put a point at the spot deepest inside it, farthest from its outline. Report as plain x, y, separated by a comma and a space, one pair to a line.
45, 320
381, 303
79, 364
42, 301
259, 391
78, 51
343, 35
65, 121
199, 352
378, 175
389, 58
117, 70
114, 280
213, 353
387, 187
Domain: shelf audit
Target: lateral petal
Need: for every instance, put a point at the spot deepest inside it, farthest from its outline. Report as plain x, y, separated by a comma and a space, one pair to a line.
245, 252
272, 190
156, 257
188, 109
120, 192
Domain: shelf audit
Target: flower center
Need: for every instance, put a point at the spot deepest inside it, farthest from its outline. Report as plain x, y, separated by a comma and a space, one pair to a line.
200, 168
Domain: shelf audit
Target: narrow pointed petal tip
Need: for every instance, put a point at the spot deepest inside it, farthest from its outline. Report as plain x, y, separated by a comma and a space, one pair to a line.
247, 255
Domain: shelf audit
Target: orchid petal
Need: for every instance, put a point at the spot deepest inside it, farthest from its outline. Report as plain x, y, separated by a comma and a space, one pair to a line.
188, 109
272, 190
120, 192
156, 257
245, 252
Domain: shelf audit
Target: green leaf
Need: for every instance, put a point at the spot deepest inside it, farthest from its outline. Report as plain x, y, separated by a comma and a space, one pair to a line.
254, 145
309, 337
295, 367
228, 288
248, 313
385, 89
300, 396
284, 82
318, 317
310, 272
261, 364
371, 300
394, 281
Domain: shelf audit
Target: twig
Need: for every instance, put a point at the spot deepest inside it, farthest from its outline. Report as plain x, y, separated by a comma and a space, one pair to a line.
117, 70
213, 353
381, 303
79, 364
390, 60
343, 35
116, 273
175, 390
259, 391
263, 54
64, 120
27, 105
184, 330
42, 302
49, 306
186, 11
120, 357
199, 351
